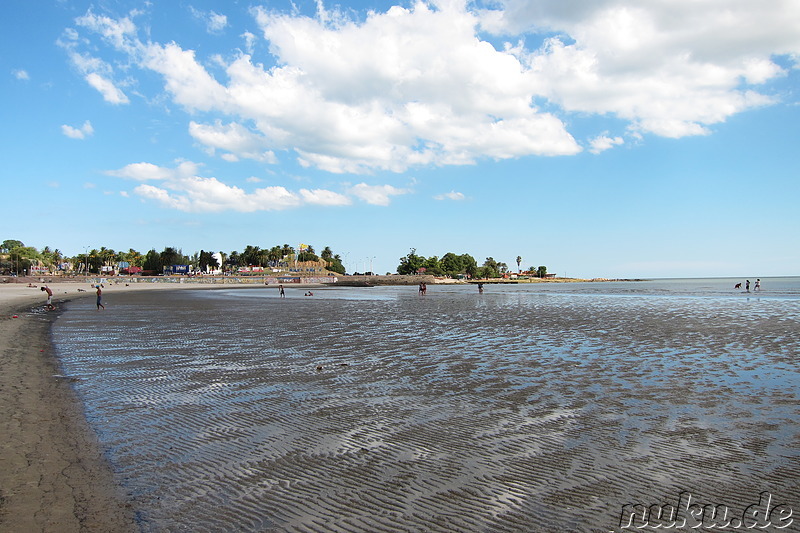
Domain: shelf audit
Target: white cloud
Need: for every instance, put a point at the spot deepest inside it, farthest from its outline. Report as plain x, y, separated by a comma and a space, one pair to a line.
323, 197
214, 22
249, 42
21, 74
603, 142
148, 171
217, 22
669, 68
430, 90
376, 194
98, 73
189, 83
182, 189
234, 138
106, 87
78, 133
452, 195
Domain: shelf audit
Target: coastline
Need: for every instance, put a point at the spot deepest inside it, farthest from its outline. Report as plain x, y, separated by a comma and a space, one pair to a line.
54, 476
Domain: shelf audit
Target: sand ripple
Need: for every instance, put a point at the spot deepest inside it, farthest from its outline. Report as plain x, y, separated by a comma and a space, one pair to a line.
453, 412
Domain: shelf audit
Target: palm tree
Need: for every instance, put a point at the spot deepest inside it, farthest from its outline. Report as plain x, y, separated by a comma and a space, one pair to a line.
519, 260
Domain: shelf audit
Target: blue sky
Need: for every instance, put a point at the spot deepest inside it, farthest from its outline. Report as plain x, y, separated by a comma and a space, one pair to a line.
601, 139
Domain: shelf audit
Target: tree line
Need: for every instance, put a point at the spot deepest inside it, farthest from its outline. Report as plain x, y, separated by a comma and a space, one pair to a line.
464, 265
17, 258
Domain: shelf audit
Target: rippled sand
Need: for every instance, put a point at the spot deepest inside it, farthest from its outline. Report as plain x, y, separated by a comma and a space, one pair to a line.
450, 412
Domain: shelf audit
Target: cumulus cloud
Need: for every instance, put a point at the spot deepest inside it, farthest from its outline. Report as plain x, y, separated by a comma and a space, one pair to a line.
437, 86
233, 138
452, 195
181, 188
111, 93
672, 69
78, 133
376, 194
603, 142
98, 73
323, 197
214, 22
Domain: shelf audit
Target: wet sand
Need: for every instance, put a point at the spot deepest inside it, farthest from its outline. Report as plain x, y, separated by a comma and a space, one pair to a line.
54, 476
443, 413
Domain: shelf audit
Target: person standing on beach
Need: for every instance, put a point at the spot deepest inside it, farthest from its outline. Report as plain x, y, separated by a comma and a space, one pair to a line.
758, 285
280, 291
99, 298
49, 296
747, 285
480, 287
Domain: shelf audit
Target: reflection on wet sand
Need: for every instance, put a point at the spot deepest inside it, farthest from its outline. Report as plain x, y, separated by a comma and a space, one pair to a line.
455, 412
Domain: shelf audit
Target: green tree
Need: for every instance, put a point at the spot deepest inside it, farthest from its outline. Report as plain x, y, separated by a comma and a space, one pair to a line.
451, 264
152, 261
519, 261
251, 256
411, 263
132, 256
469, 265
22, 257
433, 266
490, 268
541, 271
275, 253
10, 244
173, 256
332, 261
307, 254
335, 265
235, 260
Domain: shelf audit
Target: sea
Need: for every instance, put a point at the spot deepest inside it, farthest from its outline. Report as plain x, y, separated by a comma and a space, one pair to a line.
527, 407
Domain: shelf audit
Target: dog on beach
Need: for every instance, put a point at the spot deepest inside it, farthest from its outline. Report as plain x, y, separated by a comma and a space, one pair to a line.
737, 286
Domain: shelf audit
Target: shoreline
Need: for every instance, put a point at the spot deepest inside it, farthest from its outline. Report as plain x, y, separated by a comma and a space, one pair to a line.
54, 474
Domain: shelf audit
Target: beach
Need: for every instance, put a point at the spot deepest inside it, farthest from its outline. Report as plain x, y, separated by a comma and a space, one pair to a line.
54, 476
376, 409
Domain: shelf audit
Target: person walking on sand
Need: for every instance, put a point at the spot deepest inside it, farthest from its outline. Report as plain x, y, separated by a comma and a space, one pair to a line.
480, 287
280, 291
99, 298
758, 285
49, 296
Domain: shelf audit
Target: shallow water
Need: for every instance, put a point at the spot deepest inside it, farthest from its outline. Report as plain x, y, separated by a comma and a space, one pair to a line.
527, 408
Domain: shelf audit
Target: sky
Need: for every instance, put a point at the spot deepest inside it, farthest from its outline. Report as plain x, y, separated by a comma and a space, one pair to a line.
599, 138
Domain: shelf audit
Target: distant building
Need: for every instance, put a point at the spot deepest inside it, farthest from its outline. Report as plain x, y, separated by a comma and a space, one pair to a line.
176, 269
